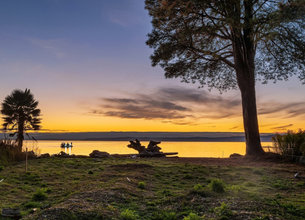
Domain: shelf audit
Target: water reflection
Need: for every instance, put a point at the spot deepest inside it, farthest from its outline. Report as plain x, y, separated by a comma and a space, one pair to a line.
184, 149
67, 146
69, 149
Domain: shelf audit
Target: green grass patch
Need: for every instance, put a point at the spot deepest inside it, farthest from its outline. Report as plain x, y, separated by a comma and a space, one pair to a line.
151, 188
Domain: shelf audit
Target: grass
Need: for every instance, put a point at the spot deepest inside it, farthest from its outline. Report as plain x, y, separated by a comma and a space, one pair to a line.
118, 188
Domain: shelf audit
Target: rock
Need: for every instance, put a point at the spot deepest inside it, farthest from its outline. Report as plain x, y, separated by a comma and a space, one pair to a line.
11, 213
61, 154
99, 154
235, 155
44, 155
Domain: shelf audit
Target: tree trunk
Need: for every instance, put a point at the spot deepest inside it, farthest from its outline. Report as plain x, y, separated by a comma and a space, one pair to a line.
244, 56
20, 136
253, 144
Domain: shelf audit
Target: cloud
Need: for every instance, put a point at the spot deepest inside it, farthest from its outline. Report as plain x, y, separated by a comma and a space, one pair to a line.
183, 106
287, 110
170, 105
283, 127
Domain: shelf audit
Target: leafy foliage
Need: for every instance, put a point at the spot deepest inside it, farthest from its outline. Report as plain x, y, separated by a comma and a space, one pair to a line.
40, 195
217, 185
9, 152
223, 212
193, 216
128, 214
20, 113
202, 40
290, 144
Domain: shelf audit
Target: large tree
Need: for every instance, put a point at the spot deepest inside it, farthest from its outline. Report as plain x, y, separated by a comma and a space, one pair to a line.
227, 44
20, 114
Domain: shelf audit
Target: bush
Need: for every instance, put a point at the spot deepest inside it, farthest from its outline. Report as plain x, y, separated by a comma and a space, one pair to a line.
223, 212
32, 204
165, 215
141, 185
1, 168
9, 152
198, 187
217, 185
39, 195
192, 216
128, 214
290, 144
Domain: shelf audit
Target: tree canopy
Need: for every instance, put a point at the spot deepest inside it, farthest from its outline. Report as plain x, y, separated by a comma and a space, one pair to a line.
20, 114
226, 44
195, 39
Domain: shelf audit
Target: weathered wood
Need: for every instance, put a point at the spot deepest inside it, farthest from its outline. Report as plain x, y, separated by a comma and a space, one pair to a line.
137, 146
152, 150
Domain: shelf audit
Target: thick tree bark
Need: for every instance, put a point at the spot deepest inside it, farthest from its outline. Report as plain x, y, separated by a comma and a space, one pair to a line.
253, 144
246, 82
244, 56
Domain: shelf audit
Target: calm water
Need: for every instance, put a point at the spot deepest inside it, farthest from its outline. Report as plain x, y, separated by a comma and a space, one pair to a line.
184, 149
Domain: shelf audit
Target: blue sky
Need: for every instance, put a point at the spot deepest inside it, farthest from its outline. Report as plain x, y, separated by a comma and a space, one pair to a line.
81, 56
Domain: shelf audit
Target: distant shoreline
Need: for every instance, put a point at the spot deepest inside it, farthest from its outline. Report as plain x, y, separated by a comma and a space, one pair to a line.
147, 136
225, 139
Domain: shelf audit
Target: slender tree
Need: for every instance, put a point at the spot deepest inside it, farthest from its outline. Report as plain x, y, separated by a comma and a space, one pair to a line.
227, 44
20, 114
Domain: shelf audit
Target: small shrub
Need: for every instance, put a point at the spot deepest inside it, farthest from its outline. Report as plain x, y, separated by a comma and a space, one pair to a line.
128, 214
192, 216
290, 144
1, 168
32, 204
223, 212
141, 185
198, 187
39, 195
166, 216
217, 185
200, 190
90, 172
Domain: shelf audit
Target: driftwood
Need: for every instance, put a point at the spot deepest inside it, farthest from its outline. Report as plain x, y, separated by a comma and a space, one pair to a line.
152, 150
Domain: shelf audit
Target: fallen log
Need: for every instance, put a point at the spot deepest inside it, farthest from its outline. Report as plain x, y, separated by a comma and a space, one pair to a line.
152, 150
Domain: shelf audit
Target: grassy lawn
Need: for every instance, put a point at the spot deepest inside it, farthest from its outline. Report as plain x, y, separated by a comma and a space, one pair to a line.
117, 188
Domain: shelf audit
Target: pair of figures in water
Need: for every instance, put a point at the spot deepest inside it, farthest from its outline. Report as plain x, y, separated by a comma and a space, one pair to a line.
64, 145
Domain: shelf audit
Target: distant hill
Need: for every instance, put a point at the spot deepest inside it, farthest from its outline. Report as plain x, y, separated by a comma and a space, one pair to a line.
146, 136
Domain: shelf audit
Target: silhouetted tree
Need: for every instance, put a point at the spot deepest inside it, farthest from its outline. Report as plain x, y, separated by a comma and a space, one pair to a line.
227, 44
20, 114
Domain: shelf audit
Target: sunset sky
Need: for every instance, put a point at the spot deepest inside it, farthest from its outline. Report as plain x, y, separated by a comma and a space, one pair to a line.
87, 63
